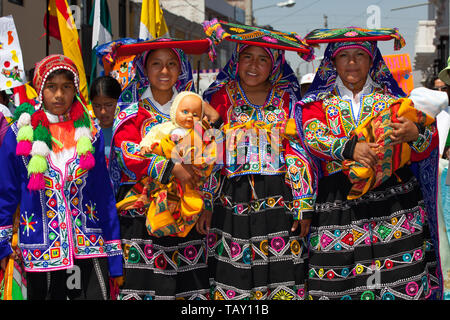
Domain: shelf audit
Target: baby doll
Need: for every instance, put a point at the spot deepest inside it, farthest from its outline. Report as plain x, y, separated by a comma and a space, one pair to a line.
174, 209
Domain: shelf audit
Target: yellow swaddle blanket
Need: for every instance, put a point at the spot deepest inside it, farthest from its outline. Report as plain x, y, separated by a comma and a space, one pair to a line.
377, 129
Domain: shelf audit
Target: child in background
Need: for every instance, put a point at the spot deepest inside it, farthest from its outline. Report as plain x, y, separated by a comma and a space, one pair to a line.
104, 93
54, 167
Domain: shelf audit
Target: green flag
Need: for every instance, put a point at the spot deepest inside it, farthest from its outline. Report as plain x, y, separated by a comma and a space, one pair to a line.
101, 31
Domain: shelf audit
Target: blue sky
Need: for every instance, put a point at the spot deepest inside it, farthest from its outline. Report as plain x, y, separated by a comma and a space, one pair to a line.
307, 15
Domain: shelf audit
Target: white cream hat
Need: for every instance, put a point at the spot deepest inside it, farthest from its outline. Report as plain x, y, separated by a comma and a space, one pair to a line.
177, 100
307, 78
444, 75
432, 102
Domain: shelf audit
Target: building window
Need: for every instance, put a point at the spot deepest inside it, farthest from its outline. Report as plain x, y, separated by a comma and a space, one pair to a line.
122, 19
19, 2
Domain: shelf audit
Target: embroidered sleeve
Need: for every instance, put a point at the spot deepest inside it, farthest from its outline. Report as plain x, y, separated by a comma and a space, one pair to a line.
210, 189
10, 192
426, 134
300, 177
425, 144
135, 166
318, 136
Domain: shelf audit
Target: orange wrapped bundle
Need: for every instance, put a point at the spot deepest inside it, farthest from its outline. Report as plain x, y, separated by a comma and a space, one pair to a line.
378, 129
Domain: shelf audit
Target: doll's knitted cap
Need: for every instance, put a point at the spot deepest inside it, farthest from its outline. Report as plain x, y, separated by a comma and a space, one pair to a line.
176, 103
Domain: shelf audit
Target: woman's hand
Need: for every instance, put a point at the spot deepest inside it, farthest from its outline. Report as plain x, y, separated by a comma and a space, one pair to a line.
185, 174
364, 154
404, 131
304, 226
204, 222
210, 112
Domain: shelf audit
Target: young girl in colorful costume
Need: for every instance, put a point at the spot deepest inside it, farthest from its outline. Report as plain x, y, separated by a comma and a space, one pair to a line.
381, 245
175, 208
54, 166
165, 267
264, 195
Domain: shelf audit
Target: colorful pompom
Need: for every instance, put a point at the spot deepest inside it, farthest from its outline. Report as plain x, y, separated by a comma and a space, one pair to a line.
36, 182
39, 118
24, 120
40, 148
82, 132
87, 161
84, 145
41, 133
23, 148
76, 112
37, 164
25, 133
23, 108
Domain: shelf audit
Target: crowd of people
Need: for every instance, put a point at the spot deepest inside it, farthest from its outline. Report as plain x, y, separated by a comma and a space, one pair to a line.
286, 213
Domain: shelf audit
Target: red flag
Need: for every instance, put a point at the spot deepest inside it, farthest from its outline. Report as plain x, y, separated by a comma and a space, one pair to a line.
53, 29
24, 93
62, 26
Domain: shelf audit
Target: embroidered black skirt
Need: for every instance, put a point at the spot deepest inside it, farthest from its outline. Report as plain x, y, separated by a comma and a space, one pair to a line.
374, 247
165, 268
252, 252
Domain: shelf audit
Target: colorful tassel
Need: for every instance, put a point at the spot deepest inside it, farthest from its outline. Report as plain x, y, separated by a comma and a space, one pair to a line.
23, 148
84, 121
87, 161
37, 164
41, 133
25, 133
36, 182
40, 148
84, 145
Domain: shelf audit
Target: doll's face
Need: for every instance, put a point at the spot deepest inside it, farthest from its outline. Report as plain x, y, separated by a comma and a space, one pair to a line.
188, 112
58, 94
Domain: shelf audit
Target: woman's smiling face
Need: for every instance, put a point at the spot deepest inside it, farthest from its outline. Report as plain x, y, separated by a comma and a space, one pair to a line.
255, 66
163, 68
